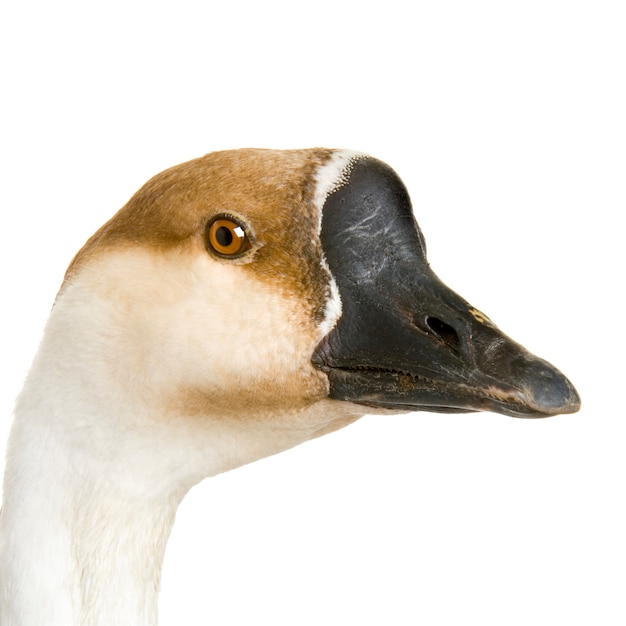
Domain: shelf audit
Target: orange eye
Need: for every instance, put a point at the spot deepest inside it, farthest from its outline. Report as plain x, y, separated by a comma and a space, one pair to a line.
227, 237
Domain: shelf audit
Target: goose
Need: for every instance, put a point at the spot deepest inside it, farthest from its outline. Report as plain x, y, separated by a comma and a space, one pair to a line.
240, 304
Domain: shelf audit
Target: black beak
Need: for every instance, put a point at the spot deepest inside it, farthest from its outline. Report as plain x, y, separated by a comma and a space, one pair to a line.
404, 340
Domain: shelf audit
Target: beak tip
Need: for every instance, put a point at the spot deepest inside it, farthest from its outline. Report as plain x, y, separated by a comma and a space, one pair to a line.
554, 395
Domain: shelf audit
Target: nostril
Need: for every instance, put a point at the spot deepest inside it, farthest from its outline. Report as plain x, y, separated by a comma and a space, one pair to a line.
444, 331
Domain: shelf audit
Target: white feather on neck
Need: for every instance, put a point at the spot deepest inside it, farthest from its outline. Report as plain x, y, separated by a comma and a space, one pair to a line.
107, 439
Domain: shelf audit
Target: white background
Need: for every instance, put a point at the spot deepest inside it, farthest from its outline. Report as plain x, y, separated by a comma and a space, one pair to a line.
506, 120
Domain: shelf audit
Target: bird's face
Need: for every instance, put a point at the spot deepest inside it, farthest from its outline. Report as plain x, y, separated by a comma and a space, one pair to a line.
247, 281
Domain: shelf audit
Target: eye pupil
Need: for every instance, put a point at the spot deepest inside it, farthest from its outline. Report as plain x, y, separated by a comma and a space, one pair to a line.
223, 236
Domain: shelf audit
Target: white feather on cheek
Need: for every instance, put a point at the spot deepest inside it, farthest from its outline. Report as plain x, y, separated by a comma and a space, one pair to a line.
185, 322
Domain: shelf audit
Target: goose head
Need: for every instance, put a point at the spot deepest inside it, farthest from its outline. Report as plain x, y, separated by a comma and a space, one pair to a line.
239, 304
269, 281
